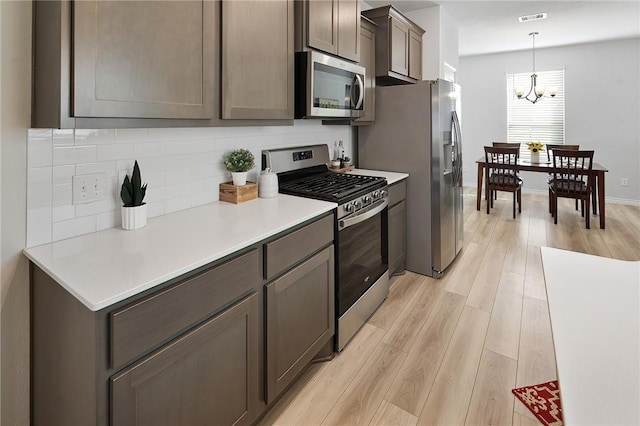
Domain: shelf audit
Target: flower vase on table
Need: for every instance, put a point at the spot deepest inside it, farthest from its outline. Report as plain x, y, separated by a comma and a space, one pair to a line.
534, 148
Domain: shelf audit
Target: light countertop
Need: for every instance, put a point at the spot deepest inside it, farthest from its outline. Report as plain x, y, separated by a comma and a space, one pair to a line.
106, 267
594, 304
392, 177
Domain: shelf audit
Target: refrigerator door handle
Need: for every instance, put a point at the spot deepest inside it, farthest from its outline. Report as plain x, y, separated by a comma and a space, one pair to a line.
458, 146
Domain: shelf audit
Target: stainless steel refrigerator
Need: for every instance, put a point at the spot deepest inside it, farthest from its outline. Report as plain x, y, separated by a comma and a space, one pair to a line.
417, 131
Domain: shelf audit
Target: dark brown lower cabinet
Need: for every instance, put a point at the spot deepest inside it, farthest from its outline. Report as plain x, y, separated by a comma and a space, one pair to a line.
207, 376
397, 227
397, 237
300, 319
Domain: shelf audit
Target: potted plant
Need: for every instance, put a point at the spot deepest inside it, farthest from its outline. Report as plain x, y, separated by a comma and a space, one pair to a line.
239, 162
134, 210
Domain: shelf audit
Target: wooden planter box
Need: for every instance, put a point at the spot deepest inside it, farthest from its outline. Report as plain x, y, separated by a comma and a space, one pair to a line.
238, 194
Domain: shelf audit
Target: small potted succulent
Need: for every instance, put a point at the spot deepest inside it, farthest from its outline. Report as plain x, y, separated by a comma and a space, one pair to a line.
239, 162
134, 210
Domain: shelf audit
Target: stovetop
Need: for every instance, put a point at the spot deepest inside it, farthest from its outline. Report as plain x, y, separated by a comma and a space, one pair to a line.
329, 186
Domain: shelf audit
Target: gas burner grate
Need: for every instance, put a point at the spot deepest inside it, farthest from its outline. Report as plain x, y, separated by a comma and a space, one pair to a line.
330, 186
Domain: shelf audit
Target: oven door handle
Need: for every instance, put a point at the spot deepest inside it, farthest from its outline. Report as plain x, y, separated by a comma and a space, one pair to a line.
373, 210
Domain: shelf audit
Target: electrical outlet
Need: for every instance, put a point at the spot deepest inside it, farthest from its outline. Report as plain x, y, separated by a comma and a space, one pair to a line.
89, 188
624, 181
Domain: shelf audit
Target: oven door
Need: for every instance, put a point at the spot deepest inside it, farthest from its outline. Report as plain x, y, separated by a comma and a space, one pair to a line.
362, 253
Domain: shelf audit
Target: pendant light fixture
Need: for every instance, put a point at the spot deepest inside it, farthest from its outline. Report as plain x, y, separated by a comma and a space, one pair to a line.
536, 92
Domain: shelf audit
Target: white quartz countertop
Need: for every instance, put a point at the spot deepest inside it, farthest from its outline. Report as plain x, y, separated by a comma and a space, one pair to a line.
594, 304
392, 177
106, 267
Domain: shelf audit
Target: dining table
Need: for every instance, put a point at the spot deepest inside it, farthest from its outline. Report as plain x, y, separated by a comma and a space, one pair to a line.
543, 166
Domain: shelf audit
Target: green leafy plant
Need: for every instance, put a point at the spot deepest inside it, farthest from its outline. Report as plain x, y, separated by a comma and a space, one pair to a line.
239, 160
133, 192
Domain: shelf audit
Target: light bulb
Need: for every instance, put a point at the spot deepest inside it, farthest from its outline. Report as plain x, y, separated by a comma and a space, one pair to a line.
553, 91
539, 90
519, 91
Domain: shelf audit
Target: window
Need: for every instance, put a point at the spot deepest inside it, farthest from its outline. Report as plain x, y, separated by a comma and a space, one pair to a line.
542, 121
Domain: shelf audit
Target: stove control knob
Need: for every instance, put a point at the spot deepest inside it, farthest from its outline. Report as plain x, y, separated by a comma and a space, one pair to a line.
357, 204
366, 199
376, 195
349, 207
383, 193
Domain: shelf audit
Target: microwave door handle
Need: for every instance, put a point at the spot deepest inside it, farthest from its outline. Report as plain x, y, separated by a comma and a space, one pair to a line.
360, 84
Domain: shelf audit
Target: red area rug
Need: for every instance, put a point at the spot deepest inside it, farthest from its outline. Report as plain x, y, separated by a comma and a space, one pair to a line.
543, 401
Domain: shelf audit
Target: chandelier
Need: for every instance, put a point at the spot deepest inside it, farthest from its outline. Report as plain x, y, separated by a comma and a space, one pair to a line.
535, 91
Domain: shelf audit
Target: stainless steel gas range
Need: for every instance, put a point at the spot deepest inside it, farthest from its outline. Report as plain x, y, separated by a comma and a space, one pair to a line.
361, 249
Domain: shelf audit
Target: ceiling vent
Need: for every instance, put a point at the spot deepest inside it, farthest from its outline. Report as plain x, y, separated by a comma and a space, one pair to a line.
534, 17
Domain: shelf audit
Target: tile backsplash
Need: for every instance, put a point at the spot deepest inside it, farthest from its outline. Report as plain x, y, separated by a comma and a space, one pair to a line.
182, 167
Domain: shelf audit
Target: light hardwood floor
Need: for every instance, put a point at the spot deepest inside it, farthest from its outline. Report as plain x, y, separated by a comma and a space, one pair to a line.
449, 351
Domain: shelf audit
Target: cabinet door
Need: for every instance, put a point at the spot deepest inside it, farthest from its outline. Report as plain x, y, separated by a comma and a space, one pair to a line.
257, 59
368, 61
399, 46
322, 25
300, 319
349, 29
208, 376
415, 55
397, 237
142, 59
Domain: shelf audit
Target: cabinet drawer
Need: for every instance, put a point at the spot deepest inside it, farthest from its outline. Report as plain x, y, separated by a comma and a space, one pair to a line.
288, 250
397, 192
145, 324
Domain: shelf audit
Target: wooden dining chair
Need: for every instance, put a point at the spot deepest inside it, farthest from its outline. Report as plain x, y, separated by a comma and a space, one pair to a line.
549, 148
572, 178
501, 174
504, 145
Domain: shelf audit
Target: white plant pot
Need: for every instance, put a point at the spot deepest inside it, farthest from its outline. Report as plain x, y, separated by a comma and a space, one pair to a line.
134, 217
239, 178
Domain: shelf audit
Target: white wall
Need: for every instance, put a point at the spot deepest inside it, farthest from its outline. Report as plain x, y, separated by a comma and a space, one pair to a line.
182, 166
15, 85
439, 42
602, 107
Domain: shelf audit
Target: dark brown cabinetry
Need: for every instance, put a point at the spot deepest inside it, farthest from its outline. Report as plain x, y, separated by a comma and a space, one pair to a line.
332, 26
257, 59
300, 301
397, 227
207, 376
173, 356
398, 46
368, 61
215, 346
300, 319
147, 64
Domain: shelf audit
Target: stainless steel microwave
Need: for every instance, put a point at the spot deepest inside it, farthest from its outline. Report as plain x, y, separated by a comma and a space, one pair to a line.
328, 87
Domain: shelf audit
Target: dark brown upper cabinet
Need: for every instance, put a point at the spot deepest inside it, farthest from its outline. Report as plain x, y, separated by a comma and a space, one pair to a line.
332, 26
398, 46
119, 64
368, 61
257, 59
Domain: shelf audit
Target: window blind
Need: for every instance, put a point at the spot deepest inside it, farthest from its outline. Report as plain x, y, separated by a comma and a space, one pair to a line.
542, 121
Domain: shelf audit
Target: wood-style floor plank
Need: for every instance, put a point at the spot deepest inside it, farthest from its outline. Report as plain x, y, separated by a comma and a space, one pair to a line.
413, 383
450, 394
536, 359
390, 415
402, 291
361, 399
493, 406
503, 336
402, 332
460, 368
